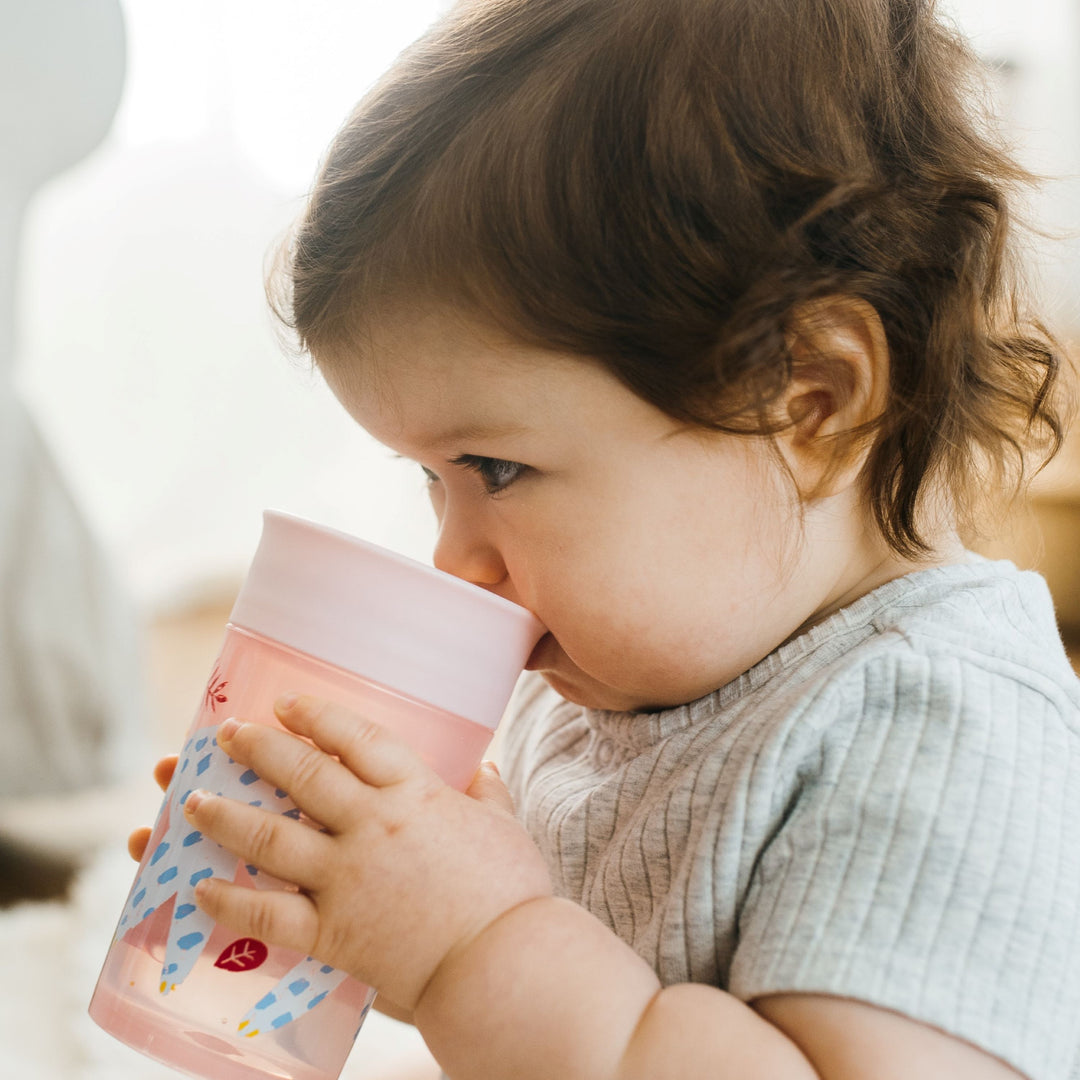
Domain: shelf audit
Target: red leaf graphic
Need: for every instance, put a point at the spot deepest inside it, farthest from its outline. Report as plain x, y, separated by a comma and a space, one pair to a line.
244, 954
215, 694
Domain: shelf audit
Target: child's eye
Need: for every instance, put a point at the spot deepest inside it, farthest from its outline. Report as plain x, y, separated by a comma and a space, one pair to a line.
496, 473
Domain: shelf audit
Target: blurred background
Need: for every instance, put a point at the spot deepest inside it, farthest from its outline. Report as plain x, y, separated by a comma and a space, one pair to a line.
146, 352
152, 154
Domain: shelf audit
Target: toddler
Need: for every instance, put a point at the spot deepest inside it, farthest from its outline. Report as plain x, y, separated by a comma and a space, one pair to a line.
700, 319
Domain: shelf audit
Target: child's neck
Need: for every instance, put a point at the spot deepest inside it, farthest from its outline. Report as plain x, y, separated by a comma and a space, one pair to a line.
877, 564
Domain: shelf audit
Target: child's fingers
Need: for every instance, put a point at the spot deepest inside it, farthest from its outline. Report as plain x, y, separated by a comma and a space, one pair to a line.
164, 769
321, 786
137, 842
368, 749
487, 787
277, 844
287, 919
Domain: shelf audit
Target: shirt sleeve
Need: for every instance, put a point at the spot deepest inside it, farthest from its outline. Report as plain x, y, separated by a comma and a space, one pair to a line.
928, 859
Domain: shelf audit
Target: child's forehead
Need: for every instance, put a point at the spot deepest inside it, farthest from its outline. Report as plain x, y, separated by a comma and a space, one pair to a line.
430, 381
405, 346
461, 375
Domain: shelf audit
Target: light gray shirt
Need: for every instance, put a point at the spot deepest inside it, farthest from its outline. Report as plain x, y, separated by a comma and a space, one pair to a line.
885, 808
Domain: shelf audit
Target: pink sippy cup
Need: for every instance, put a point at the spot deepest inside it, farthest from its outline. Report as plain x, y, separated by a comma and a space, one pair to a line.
432, 657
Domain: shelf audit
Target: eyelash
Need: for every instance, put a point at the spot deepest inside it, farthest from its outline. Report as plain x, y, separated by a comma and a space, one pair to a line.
493, 472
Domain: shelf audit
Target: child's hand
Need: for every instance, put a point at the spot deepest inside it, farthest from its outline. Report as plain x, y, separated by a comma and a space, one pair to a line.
139, 838
406, 869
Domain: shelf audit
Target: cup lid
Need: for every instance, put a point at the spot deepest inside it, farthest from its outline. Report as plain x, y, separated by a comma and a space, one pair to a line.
386, 617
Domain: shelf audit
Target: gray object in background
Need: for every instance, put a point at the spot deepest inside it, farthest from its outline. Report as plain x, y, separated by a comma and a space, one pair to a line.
70, 672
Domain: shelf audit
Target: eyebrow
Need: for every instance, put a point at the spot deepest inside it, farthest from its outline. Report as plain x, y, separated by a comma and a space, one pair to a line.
474, 431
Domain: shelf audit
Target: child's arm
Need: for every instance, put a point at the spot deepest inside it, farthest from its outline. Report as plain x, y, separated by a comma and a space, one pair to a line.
442, 902
548, 991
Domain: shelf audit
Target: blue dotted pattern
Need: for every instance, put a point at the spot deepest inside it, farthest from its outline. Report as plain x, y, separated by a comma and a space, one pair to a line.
296, 993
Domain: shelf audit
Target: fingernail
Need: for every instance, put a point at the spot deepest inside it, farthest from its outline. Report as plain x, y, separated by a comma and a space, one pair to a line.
228, 729
194, 798
286, 702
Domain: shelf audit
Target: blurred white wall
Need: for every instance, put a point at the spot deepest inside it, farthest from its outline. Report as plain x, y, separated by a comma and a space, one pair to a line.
145, 348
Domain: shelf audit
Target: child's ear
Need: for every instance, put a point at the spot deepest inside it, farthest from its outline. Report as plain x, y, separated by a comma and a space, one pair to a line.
839, 388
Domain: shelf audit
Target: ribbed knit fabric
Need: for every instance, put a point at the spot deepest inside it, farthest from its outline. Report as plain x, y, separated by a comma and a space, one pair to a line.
886, 808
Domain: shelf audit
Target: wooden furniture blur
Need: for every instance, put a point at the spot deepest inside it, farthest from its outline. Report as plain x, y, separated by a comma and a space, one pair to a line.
1044, 535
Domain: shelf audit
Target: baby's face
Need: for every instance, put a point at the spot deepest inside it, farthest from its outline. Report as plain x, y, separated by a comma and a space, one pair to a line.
664, 561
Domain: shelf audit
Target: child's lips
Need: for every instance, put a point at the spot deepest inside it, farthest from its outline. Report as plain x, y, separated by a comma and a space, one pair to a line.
541, 650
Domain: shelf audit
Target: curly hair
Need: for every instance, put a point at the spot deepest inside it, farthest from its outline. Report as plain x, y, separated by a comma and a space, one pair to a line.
658, 185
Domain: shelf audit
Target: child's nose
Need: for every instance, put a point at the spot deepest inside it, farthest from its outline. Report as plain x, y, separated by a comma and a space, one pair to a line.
468, 554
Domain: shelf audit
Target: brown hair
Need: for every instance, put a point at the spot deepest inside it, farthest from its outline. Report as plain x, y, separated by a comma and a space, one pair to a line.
659, 184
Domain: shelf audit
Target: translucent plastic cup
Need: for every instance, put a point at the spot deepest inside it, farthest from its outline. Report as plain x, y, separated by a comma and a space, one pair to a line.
429, 656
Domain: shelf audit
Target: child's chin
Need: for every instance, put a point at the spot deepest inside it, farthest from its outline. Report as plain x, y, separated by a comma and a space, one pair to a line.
589, 697
550, 661
571, 691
